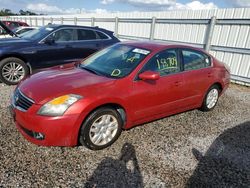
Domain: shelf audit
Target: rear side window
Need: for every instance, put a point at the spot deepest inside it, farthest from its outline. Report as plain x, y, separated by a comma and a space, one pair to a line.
194, 60
86, 34
165, 63
101, 35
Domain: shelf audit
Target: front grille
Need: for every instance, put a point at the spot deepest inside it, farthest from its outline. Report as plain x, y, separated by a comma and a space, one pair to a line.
21, 102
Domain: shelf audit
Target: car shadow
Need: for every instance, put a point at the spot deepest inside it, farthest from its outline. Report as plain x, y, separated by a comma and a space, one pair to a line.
227, 161
121, 172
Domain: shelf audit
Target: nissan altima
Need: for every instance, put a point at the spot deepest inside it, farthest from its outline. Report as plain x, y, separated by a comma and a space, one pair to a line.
117, 88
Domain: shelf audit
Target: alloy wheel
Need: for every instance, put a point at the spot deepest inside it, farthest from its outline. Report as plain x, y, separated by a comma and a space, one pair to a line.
103, 130
212, 98
13, 72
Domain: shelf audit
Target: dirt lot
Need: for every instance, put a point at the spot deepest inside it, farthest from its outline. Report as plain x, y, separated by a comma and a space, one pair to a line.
191, 149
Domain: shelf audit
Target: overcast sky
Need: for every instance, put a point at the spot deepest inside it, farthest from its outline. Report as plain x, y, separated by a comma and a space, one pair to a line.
75, 6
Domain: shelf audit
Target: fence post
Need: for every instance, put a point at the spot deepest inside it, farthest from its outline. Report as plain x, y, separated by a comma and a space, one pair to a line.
36, 21
152, 29
209, 34
75, 20
51, 20
116, 26
30, 21
61, 20
92, 22
25, 19
42, 21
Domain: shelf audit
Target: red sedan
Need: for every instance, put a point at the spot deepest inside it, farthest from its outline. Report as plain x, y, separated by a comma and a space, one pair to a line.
14, 24
117, 88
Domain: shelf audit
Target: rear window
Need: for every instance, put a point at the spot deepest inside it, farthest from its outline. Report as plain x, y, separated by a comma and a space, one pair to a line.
13, 25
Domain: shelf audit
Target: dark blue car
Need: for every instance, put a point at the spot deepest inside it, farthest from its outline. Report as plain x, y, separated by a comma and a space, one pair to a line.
49, 46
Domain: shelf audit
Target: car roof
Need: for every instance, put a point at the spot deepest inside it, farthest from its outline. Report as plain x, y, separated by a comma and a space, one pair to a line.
158, 45
77, 26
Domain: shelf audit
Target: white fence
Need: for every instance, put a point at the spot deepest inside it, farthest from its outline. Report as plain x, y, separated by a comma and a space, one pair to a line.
223, 32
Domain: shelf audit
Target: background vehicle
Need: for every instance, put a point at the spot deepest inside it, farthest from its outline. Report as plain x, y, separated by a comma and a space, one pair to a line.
14, 24
18, 31
22, 30
117, 88
5, 31
49, 46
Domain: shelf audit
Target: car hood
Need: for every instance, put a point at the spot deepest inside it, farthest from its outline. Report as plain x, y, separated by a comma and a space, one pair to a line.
46, 85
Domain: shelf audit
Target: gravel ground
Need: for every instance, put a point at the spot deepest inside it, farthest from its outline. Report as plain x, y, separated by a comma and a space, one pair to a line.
191, 149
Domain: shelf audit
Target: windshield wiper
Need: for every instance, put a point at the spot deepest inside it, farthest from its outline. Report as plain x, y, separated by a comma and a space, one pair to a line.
91, 70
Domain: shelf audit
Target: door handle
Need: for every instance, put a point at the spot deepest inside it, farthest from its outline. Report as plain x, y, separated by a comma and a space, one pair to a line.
177, 83
209, 74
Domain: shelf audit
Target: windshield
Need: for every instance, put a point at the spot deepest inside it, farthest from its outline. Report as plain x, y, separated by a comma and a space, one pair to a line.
37, 34
116, 61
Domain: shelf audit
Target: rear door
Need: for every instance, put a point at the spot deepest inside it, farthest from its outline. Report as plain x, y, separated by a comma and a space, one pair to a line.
197, 74
88, 42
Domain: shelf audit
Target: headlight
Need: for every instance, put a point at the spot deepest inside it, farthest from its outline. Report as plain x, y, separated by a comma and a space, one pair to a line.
58, 106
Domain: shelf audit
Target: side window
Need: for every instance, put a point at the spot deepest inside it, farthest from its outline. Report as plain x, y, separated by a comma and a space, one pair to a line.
101, 35
63, 35
164, 62
85, 34
193, 60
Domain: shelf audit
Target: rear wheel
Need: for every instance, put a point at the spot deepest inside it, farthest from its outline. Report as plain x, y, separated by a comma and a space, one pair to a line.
12, 70
211, 98
101, 129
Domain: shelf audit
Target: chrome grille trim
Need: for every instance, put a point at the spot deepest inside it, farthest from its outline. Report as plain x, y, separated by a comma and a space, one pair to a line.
20, 101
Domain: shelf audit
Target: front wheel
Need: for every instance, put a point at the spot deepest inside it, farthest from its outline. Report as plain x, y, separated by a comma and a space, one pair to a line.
211, 98
101, 129
12, 70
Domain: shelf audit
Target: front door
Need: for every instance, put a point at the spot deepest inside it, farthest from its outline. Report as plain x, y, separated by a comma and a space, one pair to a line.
159, 97
61, 51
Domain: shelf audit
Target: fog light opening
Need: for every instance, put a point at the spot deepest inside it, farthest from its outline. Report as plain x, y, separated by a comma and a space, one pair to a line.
38, 136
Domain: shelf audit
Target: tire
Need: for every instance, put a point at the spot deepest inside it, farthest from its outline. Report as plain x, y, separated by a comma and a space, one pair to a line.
211, 99
108, 131
12, 70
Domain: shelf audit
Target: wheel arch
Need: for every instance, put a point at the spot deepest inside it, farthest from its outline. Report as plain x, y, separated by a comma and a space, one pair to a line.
120, 109
18, 56
219, 85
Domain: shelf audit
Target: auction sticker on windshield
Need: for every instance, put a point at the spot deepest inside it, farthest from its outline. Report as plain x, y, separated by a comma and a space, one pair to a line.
141, 51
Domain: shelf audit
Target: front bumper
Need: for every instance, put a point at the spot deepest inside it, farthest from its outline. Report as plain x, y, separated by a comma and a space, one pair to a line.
56, 131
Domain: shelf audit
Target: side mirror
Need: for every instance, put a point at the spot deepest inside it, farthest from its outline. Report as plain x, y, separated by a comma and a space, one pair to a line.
149, 75
49, 41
